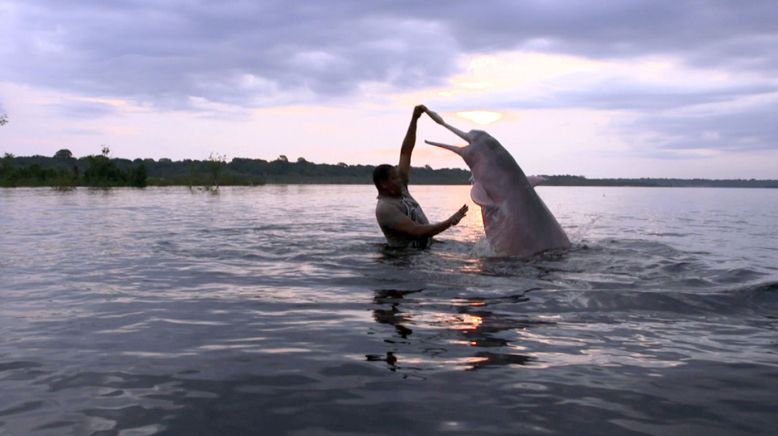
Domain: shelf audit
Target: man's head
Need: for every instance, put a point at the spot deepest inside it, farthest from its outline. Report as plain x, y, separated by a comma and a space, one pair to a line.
387, 180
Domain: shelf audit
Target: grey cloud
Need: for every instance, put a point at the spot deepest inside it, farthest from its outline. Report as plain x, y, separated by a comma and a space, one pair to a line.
678, 118
752, 128
271, 52
83, 109
616, 94
699, 31
164, 54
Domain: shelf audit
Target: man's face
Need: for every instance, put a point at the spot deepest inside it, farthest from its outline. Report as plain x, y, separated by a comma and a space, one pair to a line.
393, 184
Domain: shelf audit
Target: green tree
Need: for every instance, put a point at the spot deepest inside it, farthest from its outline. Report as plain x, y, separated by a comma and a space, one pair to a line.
7, 174
63, 154
8, 162
138, 176
216, 164
101, 171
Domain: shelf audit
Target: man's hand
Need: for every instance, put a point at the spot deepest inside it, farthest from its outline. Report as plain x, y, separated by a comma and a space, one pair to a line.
418, 111
457, 217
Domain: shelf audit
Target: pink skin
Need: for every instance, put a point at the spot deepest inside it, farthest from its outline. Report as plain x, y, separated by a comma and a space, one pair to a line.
516, 221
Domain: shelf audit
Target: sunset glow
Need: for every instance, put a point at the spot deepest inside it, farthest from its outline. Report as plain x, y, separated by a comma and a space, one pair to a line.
480, 117
600, 103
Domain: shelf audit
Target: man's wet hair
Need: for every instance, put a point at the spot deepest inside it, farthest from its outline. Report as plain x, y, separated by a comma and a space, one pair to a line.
381, 173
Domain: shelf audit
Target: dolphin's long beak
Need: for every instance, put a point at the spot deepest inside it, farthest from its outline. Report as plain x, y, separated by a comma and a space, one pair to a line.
454, 148
438, 119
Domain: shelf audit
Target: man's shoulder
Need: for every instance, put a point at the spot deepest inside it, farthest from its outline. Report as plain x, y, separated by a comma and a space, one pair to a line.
389, 210
388, 205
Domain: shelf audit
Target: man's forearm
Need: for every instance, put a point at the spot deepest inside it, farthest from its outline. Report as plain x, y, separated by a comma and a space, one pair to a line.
415, 230
407, 149
430, 230
410, 137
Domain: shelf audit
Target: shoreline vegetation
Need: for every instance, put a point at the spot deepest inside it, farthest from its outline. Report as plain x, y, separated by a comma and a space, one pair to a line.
64, 171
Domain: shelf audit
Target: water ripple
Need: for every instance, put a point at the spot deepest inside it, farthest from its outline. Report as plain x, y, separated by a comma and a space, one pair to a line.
170, 311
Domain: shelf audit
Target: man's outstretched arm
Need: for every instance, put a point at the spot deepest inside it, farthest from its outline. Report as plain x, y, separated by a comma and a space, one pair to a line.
404, 167
416, 231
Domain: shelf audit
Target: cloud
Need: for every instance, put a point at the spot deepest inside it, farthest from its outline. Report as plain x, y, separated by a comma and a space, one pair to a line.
83, 109
244, 53
709, 90
609, 94
740, 129
652, 103
707, 33
273, 52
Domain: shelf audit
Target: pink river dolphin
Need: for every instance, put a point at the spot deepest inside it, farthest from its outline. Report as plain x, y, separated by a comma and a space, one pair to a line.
516, 221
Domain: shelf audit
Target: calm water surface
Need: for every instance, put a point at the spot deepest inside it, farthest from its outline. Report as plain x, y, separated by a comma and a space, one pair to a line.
277, 310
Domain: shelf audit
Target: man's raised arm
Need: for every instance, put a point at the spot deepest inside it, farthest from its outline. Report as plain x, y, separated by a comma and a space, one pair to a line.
404, 167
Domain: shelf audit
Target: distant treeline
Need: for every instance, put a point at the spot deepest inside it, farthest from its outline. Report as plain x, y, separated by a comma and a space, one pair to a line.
568, 180
63, 170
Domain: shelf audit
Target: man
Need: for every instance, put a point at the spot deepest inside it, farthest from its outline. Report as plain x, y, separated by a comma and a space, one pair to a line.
399, 215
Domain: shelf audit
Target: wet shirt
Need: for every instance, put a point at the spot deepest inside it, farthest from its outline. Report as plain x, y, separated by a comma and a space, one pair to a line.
392, 210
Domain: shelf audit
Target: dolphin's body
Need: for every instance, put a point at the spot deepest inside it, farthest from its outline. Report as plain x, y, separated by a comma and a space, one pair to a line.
516, 221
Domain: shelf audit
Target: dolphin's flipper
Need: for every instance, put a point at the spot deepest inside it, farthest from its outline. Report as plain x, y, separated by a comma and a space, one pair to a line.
480, 196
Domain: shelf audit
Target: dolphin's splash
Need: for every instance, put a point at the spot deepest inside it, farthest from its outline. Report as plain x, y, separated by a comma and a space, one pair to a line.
516, 221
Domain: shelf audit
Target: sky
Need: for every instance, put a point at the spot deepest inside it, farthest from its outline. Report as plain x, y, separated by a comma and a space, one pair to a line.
622, 88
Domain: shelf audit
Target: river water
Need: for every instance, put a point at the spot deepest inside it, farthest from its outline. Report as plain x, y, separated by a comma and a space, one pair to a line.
277, 310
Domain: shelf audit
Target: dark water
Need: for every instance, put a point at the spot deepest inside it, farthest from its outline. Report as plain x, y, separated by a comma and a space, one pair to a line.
277, 310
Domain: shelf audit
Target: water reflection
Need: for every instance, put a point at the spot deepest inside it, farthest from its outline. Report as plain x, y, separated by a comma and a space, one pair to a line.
393, 315
463, 324
482, 329
541, 266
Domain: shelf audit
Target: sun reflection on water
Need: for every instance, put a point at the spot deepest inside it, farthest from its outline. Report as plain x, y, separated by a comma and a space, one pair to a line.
466, 322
